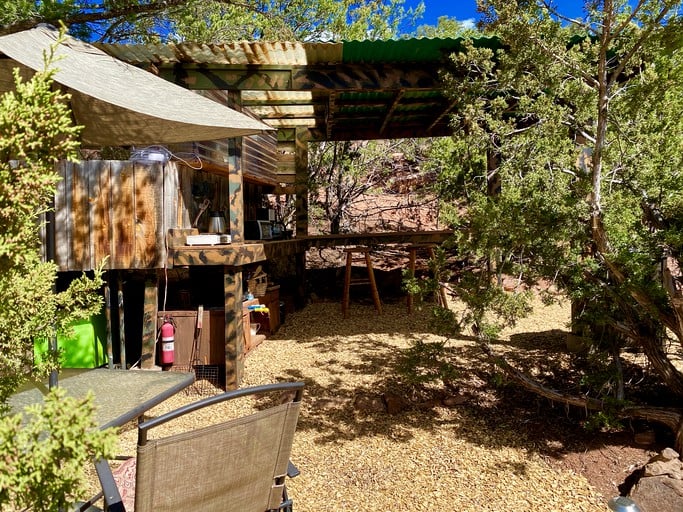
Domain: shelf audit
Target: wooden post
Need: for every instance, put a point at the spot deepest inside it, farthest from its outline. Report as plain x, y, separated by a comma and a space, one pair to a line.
301, 181
236, 193
234, 341
107, 315
412, 253
149, 322
122, 325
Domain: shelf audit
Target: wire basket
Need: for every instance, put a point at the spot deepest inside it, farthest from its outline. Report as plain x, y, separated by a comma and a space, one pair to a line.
206, 379
258, 283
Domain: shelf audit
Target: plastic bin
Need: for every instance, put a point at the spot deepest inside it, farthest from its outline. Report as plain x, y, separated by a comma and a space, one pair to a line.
85, 347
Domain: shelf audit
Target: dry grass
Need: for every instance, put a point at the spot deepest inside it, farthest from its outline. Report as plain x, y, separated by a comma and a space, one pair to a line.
355, 456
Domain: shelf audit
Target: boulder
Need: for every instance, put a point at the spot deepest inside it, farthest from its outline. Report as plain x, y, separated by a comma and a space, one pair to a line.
660, 488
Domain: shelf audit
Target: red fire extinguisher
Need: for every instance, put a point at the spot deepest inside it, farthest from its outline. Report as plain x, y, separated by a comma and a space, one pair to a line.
167, 341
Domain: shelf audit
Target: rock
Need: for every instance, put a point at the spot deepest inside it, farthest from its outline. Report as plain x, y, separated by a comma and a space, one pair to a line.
367, 403
395, 403
453, 400
660, 488
645, 438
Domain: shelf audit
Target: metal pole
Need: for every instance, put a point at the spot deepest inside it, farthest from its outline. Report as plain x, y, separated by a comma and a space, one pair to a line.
50, 256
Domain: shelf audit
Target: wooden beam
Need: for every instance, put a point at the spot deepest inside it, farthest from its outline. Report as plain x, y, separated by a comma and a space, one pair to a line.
329, 113
234, 341
390, 112
219, 255
360, 132
379, 77
443, 114
301, 181
149, 323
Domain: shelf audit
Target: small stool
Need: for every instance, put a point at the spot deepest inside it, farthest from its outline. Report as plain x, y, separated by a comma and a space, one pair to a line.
348, 281
412, 253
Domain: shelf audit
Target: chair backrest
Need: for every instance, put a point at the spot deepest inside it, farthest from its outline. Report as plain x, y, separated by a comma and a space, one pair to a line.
239, 464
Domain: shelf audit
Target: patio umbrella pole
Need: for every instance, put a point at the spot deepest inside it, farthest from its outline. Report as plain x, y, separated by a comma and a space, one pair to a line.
50, 256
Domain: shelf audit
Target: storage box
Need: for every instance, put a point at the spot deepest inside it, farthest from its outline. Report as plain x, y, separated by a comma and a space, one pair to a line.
211, 349
269, 322
85, 347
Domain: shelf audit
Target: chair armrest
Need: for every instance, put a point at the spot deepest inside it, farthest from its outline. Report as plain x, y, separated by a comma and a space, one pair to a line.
112, 496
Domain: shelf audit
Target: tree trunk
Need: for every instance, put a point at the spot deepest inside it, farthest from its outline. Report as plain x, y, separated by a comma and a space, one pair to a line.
649, 341
671, 418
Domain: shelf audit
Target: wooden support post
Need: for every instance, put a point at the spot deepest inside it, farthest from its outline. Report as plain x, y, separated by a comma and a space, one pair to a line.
301, 180
236, 190
411, 268
107, 316
122, 324
346, 295
234, 341
440, 294
300, 265
149, 323
373, 283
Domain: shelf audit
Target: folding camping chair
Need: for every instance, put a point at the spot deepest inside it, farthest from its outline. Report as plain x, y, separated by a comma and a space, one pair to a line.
236, 465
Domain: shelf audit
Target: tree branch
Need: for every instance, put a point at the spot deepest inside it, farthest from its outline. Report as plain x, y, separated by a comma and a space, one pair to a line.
670, 417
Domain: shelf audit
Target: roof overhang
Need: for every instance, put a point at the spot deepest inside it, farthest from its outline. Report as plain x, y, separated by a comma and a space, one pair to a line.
117, 103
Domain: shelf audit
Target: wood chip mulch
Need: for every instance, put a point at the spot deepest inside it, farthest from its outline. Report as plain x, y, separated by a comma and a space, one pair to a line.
354, 455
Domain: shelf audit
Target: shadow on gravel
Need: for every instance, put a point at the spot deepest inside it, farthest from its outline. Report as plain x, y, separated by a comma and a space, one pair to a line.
485, 409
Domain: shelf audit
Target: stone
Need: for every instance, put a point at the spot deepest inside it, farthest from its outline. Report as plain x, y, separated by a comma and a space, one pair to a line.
660, 488
395, 403
368, 403
454, 400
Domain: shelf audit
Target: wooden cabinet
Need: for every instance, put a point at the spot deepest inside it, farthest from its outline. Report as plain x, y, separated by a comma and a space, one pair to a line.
269, 322
251, 340
210, 339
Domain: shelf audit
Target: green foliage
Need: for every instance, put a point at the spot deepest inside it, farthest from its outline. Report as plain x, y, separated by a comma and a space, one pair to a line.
446, 27
12, 11
219, 20
43, 456
427, 363
35, 132
565, 167
45, 453
292, 20
533, 105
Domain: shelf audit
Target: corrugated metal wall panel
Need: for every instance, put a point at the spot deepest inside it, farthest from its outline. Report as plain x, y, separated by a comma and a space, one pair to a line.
259, 158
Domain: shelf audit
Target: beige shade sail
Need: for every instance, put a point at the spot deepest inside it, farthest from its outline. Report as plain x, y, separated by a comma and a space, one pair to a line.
117, 103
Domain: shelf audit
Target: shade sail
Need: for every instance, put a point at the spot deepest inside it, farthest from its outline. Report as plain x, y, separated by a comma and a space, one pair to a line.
120, 104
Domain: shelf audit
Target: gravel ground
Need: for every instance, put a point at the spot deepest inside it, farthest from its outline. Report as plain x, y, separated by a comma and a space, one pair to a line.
353, 455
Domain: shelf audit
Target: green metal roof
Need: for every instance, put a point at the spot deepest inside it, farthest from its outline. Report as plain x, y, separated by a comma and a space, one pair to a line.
418, 50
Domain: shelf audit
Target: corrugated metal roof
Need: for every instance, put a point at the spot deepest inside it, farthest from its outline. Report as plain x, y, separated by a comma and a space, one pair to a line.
293, 53
400, 50
341, 91
235, 53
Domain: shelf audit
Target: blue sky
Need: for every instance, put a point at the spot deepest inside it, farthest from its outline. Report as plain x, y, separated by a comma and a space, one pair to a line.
466, 10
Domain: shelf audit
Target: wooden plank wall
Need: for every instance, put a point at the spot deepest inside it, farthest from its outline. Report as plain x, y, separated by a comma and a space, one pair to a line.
114, 209
121, 211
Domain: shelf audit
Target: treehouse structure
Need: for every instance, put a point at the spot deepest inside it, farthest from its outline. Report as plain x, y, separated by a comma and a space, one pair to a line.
148, 214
